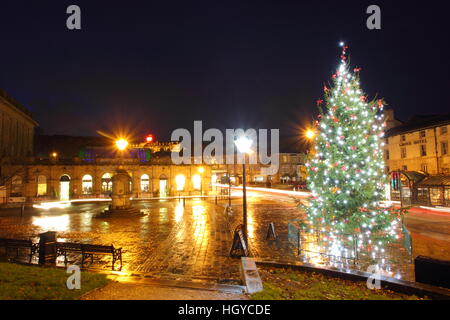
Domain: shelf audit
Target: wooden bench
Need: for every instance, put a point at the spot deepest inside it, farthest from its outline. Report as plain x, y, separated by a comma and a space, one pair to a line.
63, 248
88, 251
16, 245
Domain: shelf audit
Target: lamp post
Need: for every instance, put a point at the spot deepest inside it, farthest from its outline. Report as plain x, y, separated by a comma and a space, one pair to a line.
243, 144
201, 170
310, 135
229, 188
121, 145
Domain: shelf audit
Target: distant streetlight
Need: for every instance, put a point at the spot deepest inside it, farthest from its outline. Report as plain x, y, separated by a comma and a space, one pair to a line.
121, 144
243, 144
54, 154
310, 134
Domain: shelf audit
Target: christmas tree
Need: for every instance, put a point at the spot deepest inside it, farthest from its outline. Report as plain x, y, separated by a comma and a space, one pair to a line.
346, 168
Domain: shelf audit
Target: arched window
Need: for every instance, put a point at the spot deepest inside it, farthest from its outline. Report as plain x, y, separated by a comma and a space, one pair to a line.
41, 185
106, 183
180, 181
86, 184
16, 186
64, 188
197, 182
145, 183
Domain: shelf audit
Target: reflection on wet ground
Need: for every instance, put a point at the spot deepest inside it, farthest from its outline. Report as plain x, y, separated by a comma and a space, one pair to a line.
193, 241
169, 240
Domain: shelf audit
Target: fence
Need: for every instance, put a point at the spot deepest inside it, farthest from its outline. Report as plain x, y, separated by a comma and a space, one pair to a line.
309, 241
322, 243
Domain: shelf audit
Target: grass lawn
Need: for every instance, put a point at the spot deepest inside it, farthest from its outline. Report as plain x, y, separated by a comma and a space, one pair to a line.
18, 282
289, 284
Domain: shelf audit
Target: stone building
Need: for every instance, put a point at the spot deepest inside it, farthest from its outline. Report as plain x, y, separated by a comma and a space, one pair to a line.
291, 170
16, 137
421, 144
417, 158
16, 130
292, 167
68, 180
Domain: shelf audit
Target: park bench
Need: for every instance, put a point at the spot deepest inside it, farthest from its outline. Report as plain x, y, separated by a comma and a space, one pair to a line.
17, 245
88, 251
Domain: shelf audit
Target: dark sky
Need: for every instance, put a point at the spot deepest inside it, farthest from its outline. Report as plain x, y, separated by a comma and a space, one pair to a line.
153, 66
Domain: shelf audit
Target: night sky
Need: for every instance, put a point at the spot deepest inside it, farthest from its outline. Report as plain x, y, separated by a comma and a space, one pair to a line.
153, 66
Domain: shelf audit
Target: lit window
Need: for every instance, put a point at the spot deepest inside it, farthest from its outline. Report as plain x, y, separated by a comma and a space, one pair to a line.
180, 181
145, 183
41, 186
197, 182
86, 185
106, 183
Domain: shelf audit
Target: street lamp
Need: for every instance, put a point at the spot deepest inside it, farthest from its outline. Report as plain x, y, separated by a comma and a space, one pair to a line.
310, 134
121, 144
243, 145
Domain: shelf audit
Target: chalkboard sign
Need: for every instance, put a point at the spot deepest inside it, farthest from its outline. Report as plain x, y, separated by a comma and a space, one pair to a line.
271, 234
239, 245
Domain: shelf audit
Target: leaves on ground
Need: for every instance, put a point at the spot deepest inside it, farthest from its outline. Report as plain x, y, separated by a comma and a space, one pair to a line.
288, 284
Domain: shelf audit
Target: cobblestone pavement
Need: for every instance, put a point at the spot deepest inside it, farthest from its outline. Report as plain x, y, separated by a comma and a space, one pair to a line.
169, 241
127, 291
192, 242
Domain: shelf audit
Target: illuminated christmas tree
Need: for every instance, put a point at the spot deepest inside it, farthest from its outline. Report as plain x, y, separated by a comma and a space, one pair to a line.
346, 168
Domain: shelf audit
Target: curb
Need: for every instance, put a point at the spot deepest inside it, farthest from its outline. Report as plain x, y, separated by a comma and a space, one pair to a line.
402, 286
185, 284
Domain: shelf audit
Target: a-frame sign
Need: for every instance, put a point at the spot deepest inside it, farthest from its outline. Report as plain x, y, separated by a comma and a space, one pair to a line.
239, 247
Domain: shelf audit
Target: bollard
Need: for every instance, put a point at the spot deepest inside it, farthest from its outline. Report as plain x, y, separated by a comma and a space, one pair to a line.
184, 202
216, 200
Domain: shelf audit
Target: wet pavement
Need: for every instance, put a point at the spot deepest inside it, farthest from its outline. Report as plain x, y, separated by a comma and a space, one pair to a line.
176, 242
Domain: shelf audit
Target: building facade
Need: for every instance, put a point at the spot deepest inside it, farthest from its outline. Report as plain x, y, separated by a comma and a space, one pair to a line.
417, 158
35, 182
16, 129
16, 137
421, 144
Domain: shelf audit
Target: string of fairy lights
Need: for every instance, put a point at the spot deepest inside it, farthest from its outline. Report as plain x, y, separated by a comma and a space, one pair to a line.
346, 168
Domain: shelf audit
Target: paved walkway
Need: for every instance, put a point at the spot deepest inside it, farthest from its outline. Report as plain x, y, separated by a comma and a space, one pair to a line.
177, 242
130, 291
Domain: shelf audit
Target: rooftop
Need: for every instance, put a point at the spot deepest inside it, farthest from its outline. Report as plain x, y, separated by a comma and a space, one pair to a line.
418, 122
14, 102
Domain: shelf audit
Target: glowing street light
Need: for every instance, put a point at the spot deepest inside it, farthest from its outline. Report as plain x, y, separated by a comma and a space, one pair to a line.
121, 144
310, 134
243, 145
